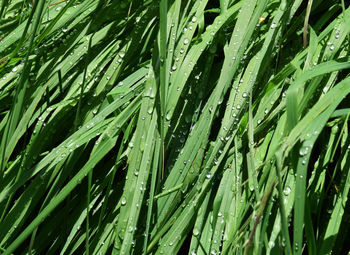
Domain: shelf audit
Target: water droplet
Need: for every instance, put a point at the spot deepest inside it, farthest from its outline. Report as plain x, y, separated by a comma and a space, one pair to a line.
208, 176
273, 25
90, 125
174, 67
168, 116
287, 190
121, 54
303, 151
14, 69
186, 41
244, 94
194, 19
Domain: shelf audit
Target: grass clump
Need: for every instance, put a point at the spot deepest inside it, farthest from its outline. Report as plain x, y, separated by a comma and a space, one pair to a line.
173, 127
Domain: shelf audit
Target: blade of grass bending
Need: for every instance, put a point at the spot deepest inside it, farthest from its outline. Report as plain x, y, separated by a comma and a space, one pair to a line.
16, 110
311, 134
334, 224
335, 95
104, 147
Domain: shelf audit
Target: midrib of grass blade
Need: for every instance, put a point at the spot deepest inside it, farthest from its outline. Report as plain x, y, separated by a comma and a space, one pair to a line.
289, 192
224, 212
16, 110
141, 181
173, 17
135, 159
163, 70
201, 217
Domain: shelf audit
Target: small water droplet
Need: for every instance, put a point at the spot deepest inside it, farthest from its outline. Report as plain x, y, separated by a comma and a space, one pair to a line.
287, 190
121, 54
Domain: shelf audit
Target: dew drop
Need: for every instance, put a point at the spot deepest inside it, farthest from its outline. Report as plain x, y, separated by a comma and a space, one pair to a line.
121, 54
287, 190
208, 176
